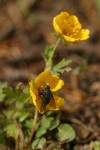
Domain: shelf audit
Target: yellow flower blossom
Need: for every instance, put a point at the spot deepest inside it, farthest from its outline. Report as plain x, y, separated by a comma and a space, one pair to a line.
43, 91
69, 27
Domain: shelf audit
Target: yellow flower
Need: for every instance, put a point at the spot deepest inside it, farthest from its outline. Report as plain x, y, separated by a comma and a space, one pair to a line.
69, 28
43, 91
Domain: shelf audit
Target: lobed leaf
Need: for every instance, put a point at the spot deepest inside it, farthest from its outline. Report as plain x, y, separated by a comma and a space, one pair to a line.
61, 66
12, 130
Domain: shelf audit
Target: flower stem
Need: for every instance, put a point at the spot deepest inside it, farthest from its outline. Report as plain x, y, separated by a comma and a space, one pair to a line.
33, 128
50, 59
58, 41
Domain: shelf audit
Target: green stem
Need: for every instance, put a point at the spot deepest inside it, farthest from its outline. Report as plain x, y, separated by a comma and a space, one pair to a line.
50, 62
58, 41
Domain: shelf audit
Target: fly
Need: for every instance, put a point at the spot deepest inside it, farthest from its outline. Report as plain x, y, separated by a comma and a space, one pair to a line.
47, 95
47, 98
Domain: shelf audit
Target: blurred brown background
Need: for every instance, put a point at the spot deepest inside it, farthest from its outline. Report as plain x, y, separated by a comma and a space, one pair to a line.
26, 29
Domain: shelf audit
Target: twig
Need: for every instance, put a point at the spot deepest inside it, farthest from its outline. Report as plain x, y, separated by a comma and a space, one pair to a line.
33, 128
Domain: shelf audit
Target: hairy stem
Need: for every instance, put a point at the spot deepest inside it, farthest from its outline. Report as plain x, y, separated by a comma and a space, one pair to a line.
50, 61
58, 41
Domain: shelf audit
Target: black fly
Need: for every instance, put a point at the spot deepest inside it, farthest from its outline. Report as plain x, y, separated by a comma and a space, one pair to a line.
47, 95
47, 98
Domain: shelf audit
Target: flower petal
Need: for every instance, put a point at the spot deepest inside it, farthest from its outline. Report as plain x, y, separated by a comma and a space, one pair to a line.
60, 17
84, 34
68, 38
56, 27
58, 21
32, 91
35, 97
58, 101
40, 80
54, 82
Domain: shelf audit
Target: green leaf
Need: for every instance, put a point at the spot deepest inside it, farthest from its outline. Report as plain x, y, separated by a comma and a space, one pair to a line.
12, 131
29, 123
46, 121
22, 115
18, 89
49, 113
10, 95
54, 124
41, 131
26, 91
2, 95
41, 143
2, 136
35, 143
23, 98
61, 66
96, 145
65, 132
8, 113
9, 91
48, 54
44, 125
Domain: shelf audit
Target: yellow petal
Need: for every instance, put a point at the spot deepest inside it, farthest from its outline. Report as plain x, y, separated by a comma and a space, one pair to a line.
58, 101
56, 27
40, 80
73, 22
58, 21
35, 97
52, 80
84, 34
55, 82
32, 91
68, 38
59, 18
